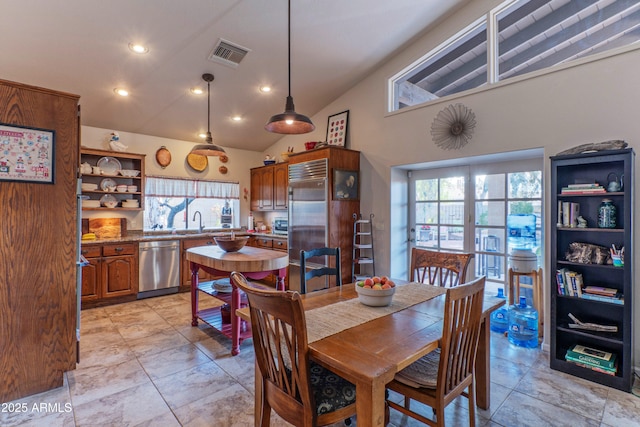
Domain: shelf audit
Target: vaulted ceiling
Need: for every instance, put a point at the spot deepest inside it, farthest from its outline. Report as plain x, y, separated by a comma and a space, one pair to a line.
81, 47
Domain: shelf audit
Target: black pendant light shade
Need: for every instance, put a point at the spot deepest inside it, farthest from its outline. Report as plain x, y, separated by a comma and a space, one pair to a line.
289, 122
208, 149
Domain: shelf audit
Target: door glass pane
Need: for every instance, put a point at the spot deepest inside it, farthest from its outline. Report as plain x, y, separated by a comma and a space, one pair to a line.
426, 213
452, 237
427, 236
452, 188
490, 186
525, 185
490, 213
452, 213
426, 189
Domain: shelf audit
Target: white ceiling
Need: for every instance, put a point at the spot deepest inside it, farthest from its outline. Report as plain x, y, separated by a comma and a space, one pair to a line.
80, 46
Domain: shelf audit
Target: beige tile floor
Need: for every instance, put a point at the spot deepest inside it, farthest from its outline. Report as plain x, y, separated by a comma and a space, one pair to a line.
142, 364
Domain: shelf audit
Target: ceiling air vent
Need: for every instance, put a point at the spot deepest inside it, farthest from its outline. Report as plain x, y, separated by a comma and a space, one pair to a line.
228, 53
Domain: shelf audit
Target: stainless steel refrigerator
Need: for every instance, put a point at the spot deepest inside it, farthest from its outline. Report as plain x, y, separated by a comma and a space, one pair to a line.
308, 217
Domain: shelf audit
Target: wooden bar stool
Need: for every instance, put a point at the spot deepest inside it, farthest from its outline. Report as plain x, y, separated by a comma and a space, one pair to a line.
536, 286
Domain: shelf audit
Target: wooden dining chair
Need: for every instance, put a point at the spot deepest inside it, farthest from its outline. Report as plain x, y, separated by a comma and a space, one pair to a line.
302, 392
439, 268
308, 270
444, 374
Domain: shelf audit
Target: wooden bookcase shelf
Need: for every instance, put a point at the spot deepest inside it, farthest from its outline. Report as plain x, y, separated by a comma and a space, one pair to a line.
589, 168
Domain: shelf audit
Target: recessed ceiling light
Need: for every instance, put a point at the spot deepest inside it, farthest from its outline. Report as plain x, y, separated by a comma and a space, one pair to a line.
197, 90
265, 89
236, 118
138, 48
120, 91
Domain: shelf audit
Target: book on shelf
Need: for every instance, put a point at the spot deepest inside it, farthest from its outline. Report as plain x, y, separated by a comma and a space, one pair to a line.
583, 188
592, 356
562, 290
576, 283
615, 299
592, 367
570, 212
599, 290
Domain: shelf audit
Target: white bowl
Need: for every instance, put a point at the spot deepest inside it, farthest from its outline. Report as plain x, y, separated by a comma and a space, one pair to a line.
111, 204
132, 188
375, 297
91, 203
87, 186
129, 172
121, 188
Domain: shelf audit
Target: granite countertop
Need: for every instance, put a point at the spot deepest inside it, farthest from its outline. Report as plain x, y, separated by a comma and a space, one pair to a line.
139, 236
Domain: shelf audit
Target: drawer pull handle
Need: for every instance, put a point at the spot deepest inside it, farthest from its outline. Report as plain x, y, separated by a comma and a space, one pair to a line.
118, 249
84, 251
209, 243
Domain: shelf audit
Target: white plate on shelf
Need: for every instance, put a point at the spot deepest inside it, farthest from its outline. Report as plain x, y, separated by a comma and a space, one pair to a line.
109, 166
109, 201
108, 184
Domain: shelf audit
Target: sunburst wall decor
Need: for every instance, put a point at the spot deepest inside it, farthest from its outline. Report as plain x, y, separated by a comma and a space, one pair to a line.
453, 127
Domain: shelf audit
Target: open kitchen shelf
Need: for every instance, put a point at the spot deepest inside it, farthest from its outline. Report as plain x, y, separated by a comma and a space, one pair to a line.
128, 161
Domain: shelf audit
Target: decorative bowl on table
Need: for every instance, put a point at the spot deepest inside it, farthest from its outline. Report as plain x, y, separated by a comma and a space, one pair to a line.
375, 296
231, 244
268, 161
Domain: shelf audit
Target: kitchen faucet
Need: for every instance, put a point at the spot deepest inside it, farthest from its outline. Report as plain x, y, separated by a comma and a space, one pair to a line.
200, 223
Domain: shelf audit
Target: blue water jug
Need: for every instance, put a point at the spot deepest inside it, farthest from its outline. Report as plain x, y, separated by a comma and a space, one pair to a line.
500, 318
523, 325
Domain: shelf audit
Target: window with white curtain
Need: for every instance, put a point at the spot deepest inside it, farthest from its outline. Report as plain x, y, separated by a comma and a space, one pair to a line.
172, 203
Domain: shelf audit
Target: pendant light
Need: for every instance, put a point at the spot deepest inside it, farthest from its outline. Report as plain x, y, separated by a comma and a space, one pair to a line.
289, 122
208, 149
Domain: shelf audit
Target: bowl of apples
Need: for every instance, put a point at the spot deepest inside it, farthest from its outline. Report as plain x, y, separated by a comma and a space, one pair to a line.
375, 291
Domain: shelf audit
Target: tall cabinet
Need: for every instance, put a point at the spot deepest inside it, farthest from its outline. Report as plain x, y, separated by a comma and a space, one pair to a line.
39, 243
337, 163
570, 171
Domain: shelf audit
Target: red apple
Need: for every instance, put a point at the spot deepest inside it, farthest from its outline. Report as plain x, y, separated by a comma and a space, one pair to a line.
368, 282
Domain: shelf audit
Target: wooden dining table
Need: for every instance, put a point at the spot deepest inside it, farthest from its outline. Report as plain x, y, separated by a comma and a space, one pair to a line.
371, 353
254, 263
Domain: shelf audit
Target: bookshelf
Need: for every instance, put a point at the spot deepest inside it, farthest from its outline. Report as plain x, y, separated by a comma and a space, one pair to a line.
583, 169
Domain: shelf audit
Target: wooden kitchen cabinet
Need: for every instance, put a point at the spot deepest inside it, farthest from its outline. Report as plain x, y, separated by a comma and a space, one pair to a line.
280, 186
111, 275
262, 188
269, 187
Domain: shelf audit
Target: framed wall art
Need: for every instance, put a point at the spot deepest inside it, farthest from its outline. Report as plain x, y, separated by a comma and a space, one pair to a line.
26, 154
345, 185
337, 126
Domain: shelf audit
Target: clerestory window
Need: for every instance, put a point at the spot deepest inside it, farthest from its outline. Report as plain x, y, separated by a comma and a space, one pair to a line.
530, 35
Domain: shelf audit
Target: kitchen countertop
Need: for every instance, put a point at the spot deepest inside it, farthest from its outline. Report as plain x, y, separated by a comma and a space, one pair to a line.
138, 236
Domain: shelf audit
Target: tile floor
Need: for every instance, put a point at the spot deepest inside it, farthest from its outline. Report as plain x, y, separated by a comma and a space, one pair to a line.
142, 364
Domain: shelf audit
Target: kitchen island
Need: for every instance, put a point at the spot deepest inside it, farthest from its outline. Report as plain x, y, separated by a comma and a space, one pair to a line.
254, 263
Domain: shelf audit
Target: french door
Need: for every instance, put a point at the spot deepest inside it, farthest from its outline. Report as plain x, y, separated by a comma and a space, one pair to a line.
488, 209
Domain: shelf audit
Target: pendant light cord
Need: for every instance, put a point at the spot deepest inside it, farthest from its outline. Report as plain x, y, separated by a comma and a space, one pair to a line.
209, 108
289, 42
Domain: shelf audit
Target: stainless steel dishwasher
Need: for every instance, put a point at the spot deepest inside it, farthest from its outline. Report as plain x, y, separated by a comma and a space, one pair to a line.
159, 268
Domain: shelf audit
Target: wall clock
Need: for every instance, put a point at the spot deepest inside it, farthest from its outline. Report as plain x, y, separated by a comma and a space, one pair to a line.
453, 127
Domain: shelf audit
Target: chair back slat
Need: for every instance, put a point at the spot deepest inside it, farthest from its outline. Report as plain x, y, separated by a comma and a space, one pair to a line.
445, 269
460, 333
332, 270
